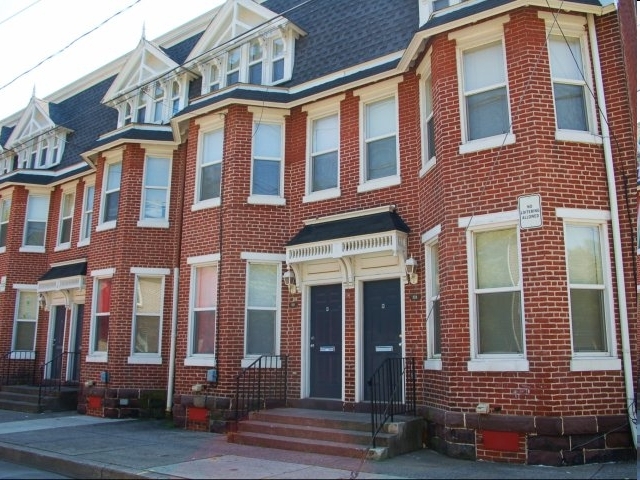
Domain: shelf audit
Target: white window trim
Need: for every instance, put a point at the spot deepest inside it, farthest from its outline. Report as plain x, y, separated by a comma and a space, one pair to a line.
147, 358
199, 359
36, 192
207, 125
424, 70
596, 361
574, 26
317, 111
88, 183
164, 154
30, 354
69, 189
271, 259
111, 158
429, 239
491, 362
7, 196
273, 116
101, 274
368, 95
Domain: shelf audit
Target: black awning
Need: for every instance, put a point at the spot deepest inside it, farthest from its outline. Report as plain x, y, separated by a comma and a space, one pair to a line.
63, 271
350, 227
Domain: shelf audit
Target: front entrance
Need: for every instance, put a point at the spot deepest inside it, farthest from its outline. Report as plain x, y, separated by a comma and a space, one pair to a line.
325, 341
73, 367
57, 342
382, 326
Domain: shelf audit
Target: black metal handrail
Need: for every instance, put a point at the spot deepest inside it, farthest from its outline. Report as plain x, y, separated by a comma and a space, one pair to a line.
18, 367
393, 392
262, 385
50, 383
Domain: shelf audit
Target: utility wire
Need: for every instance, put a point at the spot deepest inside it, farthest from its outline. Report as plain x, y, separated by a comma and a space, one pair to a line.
19, 12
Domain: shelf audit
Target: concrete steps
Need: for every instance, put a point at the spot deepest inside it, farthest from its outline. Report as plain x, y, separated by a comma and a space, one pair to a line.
24, 398
327, 432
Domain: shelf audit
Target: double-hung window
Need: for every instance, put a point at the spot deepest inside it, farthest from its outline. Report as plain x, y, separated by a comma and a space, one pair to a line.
495, 293
87, 214
110, 194
5, 210
277, 60
256, 54
484, 92
426, 111
35, 228
202, 311
262, 327
175, 98
434, 331
66, 220
570, 77
379, 133
267, 168
101, 306
148, 305
590, 290
158, 103
233, 66
214, 77
155, 193
26, 320
209, 165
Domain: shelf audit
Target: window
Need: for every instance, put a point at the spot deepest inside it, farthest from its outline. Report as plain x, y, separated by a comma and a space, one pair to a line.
111, 193
484, 97
255, 62
434, 332
267, 167
5, 210
214, 78
202, 311
87, 215
233, 66
325, 141
495, 293
208, 176
158, 103
41, 152
277, 60
26, 321
147, 319
262, 309
142, 107
155, 194
175, 98
66, 219
429, 127
99, 344
590, 290
128, 115
380, 139
36, 222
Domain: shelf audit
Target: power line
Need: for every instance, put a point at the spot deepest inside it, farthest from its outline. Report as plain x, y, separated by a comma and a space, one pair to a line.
19, 12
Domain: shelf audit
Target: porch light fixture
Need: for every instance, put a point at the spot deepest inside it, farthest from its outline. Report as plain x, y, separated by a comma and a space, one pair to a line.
411, 267
289, 280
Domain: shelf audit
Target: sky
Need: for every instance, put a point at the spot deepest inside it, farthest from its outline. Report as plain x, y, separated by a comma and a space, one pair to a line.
80, 36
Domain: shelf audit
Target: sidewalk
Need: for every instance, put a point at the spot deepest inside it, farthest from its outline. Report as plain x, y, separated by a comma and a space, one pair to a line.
81, 446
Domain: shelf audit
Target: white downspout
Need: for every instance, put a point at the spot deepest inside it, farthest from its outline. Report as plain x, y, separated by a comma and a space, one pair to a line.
172, 350
615, 226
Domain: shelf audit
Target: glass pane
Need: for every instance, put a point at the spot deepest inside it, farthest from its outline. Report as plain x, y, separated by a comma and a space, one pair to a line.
266, 177
325, 134
499, 323
104, 295
88, 199
25, 336
262, 285
35, 234
483, 67
101, 340
381, 158
278, 47
149, 295
437, 332
113, 175
65, 231
210, 181
28, 306
233, 61
3, 235
381, 118
206, 287
571, 109
497, 263
584, 255
255, 50
255, 73
111, 206
278, 70
87, 225
566, 58
267, 141
212, 147
233, 78
204, 328
155, 203
6, 209
157, 172
487, 113
38, 208
147, 334
324, 171
67, 205
261, 332
587, 320
431, 139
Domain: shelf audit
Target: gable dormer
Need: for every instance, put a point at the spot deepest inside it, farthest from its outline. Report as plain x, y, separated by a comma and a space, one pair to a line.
149, 89
245, 43
36, 142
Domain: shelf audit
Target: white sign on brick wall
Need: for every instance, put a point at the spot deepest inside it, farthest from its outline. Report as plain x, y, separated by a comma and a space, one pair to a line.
530, 211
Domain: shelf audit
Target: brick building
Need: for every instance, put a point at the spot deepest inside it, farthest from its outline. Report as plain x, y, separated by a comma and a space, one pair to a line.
446, 182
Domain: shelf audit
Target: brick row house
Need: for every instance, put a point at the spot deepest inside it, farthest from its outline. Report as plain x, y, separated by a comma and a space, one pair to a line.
332, 184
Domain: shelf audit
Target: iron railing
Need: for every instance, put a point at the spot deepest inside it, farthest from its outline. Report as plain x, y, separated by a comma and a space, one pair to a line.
262, 385
392, 389
52, 373
18, 367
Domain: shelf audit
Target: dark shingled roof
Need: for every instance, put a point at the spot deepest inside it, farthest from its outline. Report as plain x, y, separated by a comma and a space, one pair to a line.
63, 271
137, 134
349, 227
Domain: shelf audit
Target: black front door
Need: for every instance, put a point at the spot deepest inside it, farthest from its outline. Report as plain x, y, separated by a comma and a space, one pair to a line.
382, 325
57, 341
74, 356
325, 341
